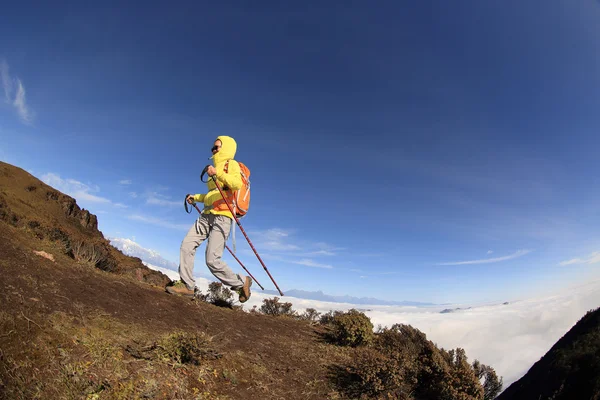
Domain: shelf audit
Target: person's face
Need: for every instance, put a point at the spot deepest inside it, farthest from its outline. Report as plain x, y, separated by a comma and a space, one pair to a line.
216, 147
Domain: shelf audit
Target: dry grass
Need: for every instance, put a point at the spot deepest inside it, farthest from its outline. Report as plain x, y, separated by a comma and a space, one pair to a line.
85, 253
94, 356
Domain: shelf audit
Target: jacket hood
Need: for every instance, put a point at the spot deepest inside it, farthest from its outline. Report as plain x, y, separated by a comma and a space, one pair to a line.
227, 151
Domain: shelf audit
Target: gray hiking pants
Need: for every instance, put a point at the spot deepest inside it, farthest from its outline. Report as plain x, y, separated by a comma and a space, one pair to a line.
216, 229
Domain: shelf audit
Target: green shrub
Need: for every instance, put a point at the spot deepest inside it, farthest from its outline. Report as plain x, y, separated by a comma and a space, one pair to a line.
374, 374
352, 328
275, 308
311, 315
327, 318
219, 295
447, 375
492, 385
403, 344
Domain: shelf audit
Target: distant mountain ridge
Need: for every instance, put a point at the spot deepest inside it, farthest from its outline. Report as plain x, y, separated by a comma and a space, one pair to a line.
319, 295
131, 248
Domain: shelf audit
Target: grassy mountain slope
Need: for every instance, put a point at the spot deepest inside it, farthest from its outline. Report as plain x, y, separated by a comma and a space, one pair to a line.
80, 320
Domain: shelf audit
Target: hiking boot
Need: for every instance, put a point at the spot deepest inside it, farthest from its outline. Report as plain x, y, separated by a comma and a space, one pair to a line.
179, 288
244, 291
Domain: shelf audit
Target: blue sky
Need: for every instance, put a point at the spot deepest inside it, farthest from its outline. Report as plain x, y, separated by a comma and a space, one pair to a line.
432, 152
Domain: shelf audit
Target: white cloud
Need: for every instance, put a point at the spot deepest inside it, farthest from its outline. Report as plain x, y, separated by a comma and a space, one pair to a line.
277, 240
158, 222
276, 233
133, 194
158, 199
521, 332
20, 104
273, 240
489, 252
376, 273
322, 253
10, 84
125, 182
163, 202
74, 188
517, 254
7, 83
327, 249
592, 259
79, 191
281, 245
85, 196
311, 263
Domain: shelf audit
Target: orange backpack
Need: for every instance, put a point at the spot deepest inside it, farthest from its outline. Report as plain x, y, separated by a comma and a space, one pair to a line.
241, 197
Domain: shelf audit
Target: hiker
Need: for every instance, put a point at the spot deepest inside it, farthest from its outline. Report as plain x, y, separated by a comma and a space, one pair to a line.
213, 225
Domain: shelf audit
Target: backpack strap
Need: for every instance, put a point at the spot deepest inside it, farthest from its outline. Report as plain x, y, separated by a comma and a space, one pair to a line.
226, 170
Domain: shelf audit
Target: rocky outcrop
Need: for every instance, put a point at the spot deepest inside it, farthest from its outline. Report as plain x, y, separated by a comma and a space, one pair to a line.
46, 214
72, 210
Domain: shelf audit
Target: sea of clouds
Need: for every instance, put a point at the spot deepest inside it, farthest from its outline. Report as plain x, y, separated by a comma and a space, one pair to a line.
509, 337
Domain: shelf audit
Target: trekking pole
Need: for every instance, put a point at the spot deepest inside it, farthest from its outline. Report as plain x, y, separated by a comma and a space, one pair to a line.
234, 256
243, 231
238, 260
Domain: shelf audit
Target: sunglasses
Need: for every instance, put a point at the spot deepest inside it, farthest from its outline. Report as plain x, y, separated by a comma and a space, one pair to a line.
215, 148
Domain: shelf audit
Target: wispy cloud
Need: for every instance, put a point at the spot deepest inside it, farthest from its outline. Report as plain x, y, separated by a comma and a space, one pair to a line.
282, 241
158, 222
517, 254
6, 81
282, 245
326, 249
489, 252
274, 240
74, 188
16, 100
592, 259
78, 190
163, 202
322, 253
125, 182
133, 195
157, 199
369, 274
21, 105
311, 263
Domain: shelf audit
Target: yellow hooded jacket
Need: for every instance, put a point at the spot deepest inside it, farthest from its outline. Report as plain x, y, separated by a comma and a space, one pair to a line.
232, 179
